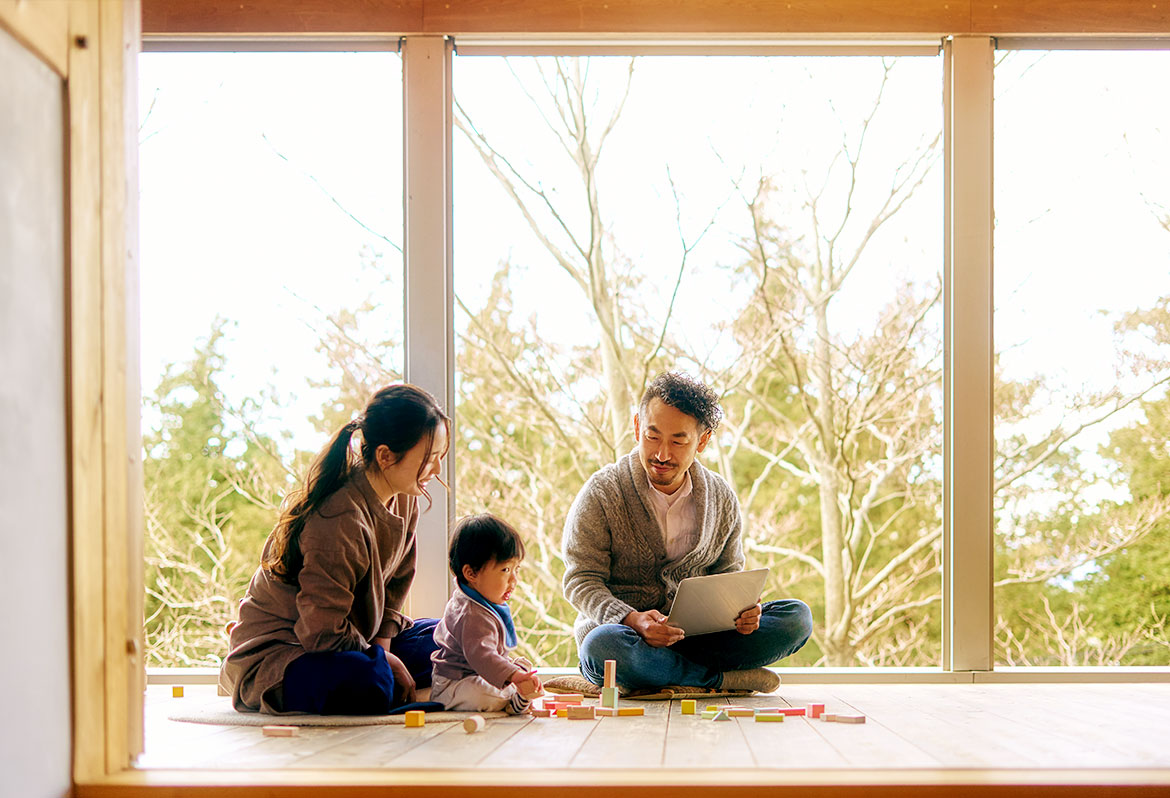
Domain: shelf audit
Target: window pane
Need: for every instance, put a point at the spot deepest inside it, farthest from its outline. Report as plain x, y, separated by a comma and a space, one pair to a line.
271, 218
1082, 325
772, 225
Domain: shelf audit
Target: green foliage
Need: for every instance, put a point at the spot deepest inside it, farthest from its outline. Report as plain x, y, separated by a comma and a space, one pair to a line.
210, 499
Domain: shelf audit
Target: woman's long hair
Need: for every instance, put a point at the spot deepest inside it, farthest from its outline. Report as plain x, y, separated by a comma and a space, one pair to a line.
397, 417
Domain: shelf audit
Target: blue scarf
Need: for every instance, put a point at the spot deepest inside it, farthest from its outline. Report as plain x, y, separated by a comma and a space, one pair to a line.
499, 609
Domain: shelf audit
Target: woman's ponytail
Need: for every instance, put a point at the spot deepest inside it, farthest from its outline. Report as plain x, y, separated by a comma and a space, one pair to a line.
329, 471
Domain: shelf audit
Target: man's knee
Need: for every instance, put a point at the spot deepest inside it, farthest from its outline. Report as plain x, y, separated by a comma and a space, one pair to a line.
608, 641
790, 618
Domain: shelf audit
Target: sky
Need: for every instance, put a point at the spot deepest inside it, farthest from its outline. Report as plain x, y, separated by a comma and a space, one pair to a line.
245, 159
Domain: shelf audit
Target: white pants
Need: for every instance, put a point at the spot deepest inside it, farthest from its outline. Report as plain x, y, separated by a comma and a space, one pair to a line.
471, 693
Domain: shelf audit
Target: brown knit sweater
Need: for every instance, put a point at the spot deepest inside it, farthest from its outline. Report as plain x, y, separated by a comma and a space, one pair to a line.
615, 555
359, 561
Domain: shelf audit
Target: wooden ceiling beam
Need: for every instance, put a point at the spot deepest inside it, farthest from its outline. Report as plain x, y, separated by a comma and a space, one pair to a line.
656, 17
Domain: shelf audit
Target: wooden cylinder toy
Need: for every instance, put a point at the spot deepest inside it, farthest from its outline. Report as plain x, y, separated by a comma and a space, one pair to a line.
474, 724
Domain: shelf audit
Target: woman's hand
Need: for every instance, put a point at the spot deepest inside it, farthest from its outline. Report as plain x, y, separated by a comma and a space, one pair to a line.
404, 689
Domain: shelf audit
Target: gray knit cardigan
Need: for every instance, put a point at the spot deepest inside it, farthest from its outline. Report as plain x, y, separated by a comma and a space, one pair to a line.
615, 555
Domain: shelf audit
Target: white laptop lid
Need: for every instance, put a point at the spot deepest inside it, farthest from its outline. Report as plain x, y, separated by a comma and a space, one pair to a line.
705, 604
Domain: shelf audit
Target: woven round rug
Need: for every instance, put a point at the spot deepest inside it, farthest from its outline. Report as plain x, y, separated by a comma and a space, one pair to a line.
221, 713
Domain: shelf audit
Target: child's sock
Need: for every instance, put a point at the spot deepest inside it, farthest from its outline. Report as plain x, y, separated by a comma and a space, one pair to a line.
517, 704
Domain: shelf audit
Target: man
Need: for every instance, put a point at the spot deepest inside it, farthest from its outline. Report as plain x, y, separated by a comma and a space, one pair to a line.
645, 523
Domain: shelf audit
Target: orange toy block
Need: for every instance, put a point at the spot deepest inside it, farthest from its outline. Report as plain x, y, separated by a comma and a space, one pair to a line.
849, 718
629, 712
177, 691
415, 719
816, 710
280, 731
791, 711
580, 712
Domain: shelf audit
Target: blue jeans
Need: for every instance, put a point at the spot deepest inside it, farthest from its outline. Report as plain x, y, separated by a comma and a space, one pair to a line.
357, 682
699, 661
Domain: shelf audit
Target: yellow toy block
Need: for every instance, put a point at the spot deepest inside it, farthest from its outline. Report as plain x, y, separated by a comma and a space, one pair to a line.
627, 712
769, 717
688, 706
563, 712
415, 719
177, 691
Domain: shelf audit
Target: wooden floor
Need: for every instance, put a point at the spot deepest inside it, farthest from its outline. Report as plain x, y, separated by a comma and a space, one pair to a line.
1096, 727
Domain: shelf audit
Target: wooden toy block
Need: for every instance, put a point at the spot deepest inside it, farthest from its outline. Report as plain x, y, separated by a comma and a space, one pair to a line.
768, 711
629, 712
580, 713
561, 712
713, 708
177, 691
541, 712
415, 719
280, 731
609, 697
709, 714
474, 724
606, 712
610, 673
739, 712
849, 718
815, 710
795, 712
529, 689
568, 698
721, 716
828, 717
769, 717
688, 706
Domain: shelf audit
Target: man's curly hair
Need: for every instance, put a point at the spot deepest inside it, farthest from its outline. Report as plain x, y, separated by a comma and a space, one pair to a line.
683, 392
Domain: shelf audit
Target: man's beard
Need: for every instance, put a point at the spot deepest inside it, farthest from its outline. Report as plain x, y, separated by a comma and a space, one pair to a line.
661, 479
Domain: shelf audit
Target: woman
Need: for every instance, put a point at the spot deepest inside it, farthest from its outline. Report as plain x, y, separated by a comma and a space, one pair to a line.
321, 628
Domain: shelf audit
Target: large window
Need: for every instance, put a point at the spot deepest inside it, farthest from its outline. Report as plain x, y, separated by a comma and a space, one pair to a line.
770, 224
271, 226
1082, 326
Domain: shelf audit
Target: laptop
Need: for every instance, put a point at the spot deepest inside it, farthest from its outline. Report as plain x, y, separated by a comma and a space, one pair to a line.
705, 604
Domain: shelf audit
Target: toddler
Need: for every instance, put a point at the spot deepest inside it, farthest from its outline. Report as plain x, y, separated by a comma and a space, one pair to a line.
472, 669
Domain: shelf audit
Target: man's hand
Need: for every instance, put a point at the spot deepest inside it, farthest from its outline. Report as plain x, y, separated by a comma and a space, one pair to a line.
653, 628
748, 621
527, 683
404, 690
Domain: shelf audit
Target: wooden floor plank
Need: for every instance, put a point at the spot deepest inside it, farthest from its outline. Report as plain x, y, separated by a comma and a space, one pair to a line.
627, 742
543, 743
455, 747
795, 743
698, 743
869, 745
373, 747
983, 725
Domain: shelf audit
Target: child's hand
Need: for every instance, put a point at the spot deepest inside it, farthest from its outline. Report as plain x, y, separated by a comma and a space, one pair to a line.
527, 683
